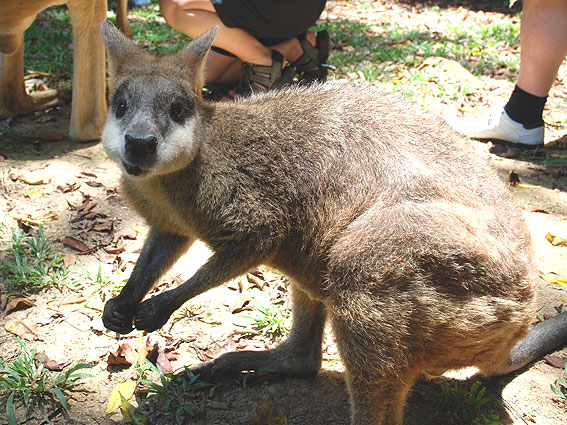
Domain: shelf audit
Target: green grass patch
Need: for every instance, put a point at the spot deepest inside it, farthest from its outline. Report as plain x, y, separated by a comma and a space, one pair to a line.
31, 265
390, 55
25, 381
151, 30
49, 41
560, 387
171, 400
48, 46
105, 285
271, 321
457, 404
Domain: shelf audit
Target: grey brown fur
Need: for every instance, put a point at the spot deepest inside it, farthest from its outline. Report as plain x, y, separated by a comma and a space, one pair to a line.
387, 223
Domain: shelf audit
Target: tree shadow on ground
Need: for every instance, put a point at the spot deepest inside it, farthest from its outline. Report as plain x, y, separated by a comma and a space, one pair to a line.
323, 399
500, 6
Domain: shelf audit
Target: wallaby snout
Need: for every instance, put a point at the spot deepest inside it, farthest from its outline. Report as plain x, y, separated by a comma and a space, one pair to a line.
140, 149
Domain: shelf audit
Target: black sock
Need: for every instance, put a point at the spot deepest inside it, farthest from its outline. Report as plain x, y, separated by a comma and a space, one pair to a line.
526, 108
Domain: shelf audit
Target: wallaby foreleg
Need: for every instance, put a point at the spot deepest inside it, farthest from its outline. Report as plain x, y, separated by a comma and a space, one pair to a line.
161, 250
227, 263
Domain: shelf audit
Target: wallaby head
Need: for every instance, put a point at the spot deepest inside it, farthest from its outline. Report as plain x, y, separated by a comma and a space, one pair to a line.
154, 104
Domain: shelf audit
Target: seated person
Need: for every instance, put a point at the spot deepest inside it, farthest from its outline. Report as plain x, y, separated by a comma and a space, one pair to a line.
256, 39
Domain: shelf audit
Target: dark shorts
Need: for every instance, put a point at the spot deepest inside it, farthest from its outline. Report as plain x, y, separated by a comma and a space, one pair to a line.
270, 21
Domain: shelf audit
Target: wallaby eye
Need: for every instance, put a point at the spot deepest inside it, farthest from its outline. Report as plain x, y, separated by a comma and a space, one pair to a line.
176, 112
121, 109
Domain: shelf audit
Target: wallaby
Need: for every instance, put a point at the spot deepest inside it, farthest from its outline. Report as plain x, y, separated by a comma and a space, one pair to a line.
385, 221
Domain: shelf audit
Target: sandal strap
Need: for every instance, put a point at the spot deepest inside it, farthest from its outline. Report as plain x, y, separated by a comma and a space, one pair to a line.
309, 58
259, 78
265, 76
310, 65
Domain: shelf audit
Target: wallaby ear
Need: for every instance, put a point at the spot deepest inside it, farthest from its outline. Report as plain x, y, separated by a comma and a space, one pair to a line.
119, 47
192, 57
200, 46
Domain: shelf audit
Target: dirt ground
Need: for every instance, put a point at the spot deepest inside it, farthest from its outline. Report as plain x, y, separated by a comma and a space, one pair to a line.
71, 172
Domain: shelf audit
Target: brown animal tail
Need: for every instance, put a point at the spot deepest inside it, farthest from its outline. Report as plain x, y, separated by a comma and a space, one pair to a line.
541, 339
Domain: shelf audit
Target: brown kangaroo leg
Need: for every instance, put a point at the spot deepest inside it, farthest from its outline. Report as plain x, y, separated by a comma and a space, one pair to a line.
88, 109
14, 99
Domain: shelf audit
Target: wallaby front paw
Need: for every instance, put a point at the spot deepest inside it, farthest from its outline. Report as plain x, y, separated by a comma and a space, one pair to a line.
152, 314
118, 316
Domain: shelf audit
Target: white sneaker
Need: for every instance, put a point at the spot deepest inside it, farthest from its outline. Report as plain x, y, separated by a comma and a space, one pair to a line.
497, 125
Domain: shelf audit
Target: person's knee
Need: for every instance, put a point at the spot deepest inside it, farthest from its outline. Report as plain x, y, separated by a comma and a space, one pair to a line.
169, 10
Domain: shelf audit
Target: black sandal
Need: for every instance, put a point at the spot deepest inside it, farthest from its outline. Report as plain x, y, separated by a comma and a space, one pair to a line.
311, 65
261, 78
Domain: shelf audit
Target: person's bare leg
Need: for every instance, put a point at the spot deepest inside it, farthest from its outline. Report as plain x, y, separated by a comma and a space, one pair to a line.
543, 40
221, 68
194, 17
291, 49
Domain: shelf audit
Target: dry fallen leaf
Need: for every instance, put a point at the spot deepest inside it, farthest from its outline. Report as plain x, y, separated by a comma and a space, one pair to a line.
158, 357
72, 302
118, 249
87, 174
68, 187
34, 178
123, 355
553, 278
85, 203
27, 228
105, 258
105, 226
69, 260
255, 280
75, 243
265, 415
556, 240
46, 137
555, 361
3, 300
18, 304
50, 364
124, 389
50, 216
23, 328
239, 304
33, 194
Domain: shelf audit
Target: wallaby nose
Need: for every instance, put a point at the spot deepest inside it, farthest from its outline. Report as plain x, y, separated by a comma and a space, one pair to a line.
140, 147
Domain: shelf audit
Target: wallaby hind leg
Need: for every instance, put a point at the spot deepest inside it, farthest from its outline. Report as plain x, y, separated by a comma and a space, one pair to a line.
378, 386
299, 355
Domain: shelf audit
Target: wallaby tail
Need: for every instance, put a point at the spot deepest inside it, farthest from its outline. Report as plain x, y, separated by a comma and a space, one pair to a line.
541, 339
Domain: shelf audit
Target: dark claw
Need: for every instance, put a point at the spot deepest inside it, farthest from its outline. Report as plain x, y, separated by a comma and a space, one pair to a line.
152, 314
115, 319
119, 316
